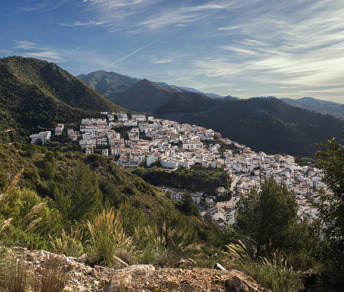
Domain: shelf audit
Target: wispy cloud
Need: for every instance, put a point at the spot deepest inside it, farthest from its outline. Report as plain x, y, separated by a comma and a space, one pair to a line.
30, 49
152, 14
80, 23
25, 45
46, 6
51, 56
302, 49
162, 61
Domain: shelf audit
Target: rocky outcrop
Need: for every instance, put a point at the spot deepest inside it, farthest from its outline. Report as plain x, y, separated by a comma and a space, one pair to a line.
82, 277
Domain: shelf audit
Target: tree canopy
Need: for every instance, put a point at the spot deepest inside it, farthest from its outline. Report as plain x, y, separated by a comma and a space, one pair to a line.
331, 205
264, 216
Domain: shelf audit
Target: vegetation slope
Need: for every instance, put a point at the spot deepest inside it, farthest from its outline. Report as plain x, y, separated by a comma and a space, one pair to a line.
75, 187
37, 93
113, 86
264, 124
321, 106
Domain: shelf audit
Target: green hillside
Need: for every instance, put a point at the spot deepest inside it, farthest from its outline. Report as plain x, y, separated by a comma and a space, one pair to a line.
108, 84
76, 187
37, 93
321, 106
264, 124
143, 96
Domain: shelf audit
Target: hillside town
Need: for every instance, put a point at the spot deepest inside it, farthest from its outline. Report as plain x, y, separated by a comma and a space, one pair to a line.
139, 140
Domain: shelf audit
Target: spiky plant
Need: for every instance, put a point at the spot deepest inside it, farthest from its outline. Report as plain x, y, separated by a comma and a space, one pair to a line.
107, 237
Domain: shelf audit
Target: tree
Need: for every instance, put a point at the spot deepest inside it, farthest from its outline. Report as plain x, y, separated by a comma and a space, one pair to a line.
331, 206
85, 196
187, 206
264, 217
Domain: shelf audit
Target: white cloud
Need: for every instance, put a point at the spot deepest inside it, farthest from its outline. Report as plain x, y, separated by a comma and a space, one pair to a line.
298, 47
79, 23
241, 51
51, 56
25, 45
162, 61
30, 49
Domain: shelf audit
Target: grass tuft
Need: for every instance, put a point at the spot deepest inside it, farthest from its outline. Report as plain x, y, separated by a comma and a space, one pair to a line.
107, 237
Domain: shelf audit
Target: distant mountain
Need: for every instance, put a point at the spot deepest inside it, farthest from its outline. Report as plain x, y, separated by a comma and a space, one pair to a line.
108, 84
143, 96
38, 93
214, 95
186, 102
111, 84
322, 106
265, 124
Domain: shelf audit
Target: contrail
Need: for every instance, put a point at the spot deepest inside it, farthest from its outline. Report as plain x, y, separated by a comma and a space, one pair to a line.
127, 56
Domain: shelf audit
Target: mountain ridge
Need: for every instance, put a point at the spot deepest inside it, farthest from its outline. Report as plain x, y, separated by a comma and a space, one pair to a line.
317, 105
263, 123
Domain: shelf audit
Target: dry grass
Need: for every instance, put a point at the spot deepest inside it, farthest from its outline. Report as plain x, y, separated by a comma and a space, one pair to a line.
14, 273
272, 272
52, 277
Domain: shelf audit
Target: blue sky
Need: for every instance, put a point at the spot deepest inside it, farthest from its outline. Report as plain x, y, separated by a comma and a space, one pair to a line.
244, 48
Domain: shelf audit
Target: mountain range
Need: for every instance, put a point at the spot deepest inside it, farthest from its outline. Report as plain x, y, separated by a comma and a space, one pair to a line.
266, 124
321, 106
38, 94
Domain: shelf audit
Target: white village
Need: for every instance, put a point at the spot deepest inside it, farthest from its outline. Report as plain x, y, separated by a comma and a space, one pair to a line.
139, 140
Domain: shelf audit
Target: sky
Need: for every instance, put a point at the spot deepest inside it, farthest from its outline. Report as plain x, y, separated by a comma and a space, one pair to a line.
244, 48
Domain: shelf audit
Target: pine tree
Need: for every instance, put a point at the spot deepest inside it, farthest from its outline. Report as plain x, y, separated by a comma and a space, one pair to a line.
331, 206
86, 198
264, 217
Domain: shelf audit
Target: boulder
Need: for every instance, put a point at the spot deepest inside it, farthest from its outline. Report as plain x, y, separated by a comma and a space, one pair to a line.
235, 284
218, 266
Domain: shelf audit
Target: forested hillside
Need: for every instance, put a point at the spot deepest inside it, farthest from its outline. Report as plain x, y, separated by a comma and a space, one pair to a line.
321, 106
264, 124
35, 93
72, 188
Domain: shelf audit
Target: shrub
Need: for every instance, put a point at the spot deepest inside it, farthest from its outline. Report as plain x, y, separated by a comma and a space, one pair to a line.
107, 238
68, 244
272, 272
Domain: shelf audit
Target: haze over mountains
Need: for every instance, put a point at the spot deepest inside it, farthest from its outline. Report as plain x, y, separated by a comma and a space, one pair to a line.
322, 106
266, 124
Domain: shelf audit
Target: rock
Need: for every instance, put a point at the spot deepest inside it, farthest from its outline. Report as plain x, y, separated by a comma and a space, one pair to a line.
140, 269
93, 273
183, 263
112, 286
117, 285
310, 279
218, 266
235, 284
82, 259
